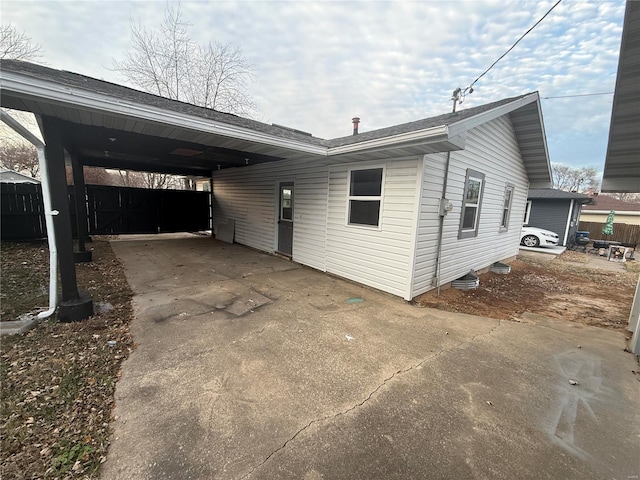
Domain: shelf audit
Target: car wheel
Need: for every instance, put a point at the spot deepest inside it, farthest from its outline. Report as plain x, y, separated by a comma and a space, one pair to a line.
530, 241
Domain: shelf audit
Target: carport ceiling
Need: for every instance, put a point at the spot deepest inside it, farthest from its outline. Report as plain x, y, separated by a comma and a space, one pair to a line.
119, 149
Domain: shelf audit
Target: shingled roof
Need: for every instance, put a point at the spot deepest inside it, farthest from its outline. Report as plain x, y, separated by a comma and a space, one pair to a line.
94, 85
608, 203
438, 120
88, 104
126, 93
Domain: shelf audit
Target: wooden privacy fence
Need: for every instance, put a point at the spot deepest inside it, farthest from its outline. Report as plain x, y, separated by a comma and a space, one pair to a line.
121, 210
622, 232
22, 211
111, 210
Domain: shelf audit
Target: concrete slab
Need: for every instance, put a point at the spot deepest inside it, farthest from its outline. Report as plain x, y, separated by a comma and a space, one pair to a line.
23, 324
549, 251
311, 386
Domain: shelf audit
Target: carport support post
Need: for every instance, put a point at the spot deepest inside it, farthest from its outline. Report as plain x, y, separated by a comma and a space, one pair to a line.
81, 209
211, 204
75, 305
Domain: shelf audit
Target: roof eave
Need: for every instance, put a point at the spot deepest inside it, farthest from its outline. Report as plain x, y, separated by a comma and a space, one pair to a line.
418, 137
467, 124
621, 167
539, 173
54, 93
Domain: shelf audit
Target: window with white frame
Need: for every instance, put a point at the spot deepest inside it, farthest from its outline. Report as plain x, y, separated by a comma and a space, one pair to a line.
365, 196
527, 212
471, 203
506, 207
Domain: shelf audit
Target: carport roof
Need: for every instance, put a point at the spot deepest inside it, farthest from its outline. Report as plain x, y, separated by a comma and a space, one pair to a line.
115, 126
75, 80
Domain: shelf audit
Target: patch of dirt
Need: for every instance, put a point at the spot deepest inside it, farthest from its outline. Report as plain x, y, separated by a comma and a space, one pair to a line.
560, 289
57, 381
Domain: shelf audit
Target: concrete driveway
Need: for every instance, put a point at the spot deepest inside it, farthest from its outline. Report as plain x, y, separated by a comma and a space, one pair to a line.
251, 367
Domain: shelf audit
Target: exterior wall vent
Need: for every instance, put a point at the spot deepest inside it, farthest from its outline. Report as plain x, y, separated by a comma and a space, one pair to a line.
501, 268
468, 282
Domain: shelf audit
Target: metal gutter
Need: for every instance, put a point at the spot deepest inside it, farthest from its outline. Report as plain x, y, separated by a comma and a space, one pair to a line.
37, 89
426, 135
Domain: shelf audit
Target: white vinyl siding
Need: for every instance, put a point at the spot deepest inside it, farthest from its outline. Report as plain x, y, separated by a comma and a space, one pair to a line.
493, 150
395, 257
380, 258
249, 196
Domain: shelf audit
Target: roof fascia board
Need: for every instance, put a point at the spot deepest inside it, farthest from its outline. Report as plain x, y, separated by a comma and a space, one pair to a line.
544, 136
37, 89
619, 185
427, 135
607, 212
540, 185
476, 120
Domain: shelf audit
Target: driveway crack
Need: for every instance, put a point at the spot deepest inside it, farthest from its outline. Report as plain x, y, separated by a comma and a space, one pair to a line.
368, 397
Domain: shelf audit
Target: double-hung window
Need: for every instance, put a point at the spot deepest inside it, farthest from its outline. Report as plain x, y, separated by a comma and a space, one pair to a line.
365, 196
506, 207
471, 203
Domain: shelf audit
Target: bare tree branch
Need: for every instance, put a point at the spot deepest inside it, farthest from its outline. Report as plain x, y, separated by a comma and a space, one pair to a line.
167, 62
16, 45
20, 157
575, 179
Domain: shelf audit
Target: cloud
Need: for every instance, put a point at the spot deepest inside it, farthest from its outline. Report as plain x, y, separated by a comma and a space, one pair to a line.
320, 63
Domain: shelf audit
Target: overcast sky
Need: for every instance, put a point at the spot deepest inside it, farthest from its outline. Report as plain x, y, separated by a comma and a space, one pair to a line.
318, 64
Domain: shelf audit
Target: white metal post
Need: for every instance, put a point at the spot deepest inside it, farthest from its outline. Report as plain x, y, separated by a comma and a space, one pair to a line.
634, 321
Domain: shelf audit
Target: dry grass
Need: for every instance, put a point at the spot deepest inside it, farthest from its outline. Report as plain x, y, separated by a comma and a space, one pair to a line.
633, 266
58, 380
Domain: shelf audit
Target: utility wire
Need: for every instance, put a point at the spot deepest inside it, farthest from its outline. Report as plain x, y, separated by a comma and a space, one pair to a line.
580, 95
514, 45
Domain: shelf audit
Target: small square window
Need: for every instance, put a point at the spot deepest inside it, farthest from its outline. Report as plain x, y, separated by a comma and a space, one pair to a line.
365, 196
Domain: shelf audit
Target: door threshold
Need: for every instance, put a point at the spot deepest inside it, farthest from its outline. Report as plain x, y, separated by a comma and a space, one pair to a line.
283, 255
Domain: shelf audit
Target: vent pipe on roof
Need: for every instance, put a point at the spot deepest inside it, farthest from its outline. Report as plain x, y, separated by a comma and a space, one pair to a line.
356, 121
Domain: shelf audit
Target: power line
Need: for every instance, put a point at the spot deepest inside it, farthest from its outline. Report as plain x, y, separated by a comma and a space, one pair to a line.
579, 95
514, 45
459, 94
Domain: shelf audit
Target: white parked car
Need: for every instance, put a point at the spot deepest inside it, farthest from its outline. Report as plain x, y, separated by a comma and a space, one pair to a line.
537, 237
